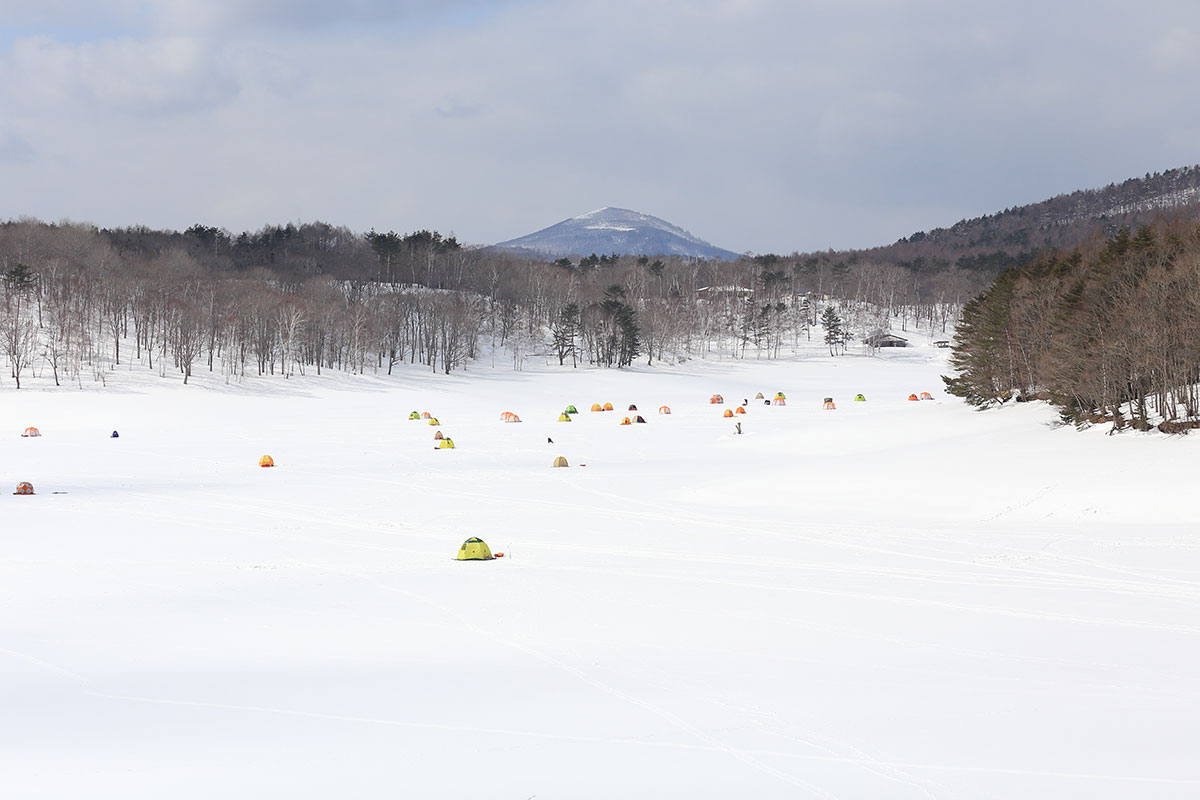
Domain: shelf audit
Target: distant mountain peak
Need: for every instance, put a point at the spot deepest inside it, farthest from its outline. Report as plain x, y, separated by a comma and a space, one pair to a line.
616, 230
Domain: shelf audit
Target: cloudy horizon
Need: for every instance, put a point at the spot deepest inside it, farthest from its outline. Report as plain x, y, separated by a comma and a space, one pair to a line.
758, 125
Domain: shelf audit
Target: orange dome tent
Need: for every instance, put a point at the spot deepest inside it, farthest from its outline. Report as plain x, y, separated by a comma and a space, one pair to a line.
608, 406
728, 412
779, 401
509, 416
716, 400
24, 487
266, 461
912, 397
664, 410
597, 407
626, 421
426, 415
30, 432
926, 396
828, 405
740, 410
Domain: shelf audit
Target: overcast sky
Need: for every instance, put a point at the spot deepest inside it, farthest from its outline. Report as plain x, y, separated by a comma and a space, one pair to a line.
758, 125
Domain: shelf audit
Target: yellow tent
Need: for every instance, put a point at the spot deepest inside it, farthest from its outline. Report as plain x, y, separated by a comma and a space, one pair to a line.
434, 421
414, 415
597, 407
561, 462
474, 549
446, 444
266, 461
563, 417
626, 421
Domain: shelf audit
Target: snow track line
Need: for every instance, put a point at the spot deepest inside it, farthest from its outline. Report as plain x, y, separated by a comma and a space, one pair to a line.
596, 683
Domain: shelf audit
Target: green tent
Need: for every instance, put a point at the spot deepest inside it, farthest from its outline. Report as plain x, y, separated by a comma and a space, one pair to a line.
474, 549
414, 415
858, 398
571, 410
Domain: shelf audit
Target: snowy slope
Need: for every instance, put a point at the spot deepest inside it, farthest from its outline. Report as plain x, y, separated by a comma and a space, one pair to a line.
888, 600
616, 230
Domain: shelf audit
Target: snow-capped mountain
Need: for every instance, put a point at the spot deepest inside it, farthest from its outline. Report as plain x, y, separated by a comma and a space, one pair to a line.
616, 230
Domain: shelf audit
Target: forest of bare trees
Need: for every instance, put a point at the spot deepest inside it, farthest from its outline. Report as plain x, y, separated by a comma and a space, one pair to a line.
81, 301
1108, 332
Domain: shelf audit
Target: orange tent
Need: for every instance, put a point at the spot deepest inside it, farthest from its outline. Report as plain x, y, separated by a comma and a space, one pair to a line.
24, 487
716, 400
266, 461
728, 412
626, 421
740, 410
30, 432
829, 405
597, 407
509, 416
779, 401
425, 415
912, 397
664, 410
926, 396
608, 407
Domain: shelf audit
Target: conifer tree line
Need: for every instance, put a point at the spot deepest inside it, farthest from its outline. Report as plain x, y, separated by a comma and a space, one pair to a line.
1107, 332
80, 301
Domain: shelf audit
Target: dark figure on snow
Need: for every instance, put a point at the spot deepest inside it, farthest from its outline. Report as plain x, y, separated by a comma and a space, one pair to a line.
549, 440
739, 427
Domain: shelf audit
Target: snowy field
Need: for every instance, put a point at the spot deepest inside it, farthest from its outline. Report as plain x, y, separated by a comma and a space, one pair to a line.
892, 599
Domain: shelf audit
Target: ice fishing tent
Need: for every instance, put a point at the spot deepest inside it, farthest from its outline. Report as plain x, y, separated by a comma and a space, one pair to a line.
437, 437
115, 435
912, 397
780, 396
415, 415
664, 409
858, 398
608, 406
30, 432
434, 421
740, 410
24, 487
474, 549
597, 407
926, 396
716, 400
640, 420
426, 415
446, 444
828, 405
758, 396
561, 462
728, 412
631, 407
563, 417
627, 421
509, 416
266, 461
571, 410
779, 401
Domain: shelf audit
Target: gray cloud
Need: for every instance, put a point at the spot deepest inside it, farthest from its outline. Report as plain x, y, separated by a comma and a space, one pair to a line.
759, 125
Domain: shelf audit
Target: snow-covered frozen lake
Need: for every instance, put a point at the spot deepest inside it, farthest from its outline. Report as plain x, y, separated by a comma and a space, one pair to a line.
893, 599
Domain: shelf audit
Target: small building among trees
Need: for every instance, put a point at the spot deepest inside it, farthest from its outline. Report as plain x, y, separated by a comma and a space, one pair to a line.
883, 339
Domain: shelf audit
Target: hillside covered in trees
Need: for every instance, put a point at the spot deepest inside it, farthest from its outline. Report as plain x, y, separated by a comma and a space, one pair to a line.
1108, 331
80, 301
